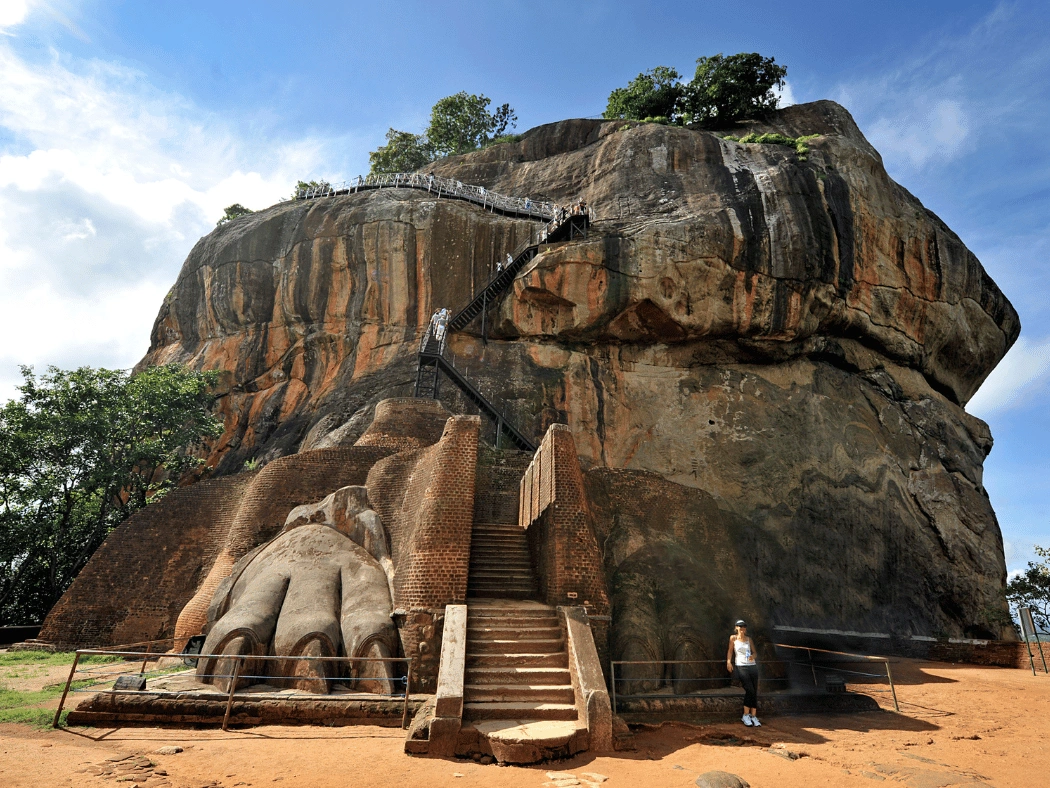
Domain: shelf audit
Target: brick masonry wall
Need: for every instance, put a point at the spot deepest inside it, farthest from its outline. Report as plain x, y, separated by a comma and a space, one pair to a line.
497, 484
138, 581
554, 511
425, 498
994, 652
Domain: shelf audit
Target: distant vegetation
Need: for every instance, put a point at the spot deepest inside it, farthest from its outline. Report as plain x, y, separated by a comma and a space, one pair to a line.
80, 451
798, 143
1031, 589
458, 124
232, 212
723, 90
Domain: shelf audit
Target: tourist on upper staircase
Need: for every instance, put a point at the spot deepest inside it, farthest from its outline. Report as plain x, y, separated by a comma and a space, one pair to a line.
510, 260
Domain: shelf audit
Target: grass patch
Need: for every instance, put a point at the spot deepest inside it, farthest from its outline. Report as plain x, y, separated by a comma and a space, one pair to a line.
798, 143
11, 658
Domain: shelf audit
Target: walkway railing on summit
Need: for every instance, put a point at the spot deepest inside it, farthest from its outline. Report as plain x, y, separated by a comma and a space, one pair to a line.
435, 184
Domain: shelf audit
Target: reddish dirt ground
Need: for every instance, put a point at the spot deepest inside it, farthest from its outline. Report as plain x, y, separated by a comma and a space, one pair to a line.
959, 726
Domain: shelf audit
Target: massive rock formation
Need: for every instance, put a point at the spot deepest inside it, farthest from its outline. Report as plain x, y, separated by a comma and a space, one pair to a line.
763, 361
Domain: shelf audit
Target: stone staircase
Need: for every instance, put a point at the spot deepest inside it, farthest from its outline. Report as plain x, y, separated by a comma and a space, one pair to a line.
517, 663
500, 565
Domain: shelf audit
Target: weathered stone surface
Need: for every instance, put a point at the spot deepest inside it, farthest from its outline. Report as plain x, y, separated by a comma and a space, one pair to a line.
773, 352
719, 779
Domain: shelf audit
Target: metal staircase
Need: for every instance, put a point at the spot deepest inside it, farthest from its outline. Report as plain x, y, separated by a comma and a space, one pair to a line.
433, 359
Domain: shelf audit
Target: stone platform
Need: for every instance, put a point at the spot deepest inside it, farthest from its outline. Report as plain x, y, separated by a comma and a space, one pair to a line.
721, 706
181, 699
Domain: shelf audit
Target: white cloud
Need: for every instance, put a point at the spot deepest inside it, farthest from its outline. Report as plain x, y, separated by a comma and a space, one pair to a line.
105, 184
785, 95
1022, 372
938, 133
13, 12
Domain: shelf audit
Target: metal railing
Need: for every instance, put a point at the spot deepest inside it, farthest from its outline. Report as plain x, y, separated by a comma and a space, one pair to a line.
435, 184
723, 679
850, 658
99, 675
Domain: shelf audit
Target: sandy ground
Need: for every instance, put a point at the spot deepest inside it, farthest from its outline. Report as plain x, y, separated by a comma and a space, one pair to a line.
959, 726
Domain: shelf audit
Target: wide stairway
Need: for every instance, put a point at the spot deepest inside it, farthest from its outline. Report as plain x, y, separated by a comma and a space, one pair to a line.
517, 689
517, 665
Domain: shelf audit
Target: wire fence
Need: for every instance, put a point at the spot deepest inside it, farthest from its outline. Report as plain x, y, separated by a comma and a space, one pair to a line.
821, 666
669, 681
175, 674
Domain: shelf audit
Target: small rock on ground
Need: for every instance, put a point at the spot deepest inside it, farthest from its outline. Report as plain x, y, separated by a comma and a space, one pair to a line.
172, 749
717, 779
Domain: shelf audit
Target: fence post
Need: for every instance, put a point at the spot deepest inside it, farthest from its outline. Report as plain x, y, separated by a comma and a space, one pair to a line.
233, 688
145, 659
812, 669
889, 675
612, 683
408, 689
1039, 646
69, 680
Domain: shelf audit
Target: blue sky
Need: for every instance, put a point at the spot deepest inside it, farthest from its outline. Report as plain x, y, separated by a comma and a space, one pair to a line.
126, 127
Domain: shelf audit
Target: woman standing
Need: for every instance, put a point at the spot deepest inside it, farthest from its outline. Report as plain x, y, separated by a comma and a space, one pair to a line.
740, 661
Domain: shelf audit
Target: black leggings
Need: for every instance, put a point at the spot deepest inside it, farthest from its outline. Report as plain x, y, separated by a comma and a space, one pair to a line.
747, 675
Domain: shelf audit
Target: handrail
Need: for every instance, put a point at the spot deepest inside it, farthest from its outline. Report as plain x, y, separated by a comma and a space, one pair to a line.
434, 184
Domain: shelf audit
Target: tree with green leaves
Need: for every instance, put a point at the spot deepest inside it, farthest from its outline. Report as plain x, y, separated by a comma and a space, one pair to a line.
652, 94
403, 152
80, 451
723, 91
458, 124
729, 89
233, 212
462, 123
1031, 589
301, 186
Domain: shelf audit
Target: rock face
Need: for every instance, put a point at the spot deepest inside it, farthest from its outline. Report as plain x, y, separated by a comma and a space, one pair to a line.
763, 362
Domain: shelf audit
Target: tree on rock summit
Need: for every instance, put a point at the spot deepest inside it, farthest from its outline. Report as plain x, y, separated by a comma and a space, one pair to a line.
458, 124
723, 91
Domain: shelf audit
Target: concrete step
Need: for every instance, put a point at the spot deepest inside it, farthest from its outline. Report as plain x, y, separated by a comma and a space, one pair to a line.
506, 646
525, 693
509, 674
487, 611
554, 659
474, 594
489, 565
510, 632
519, 711
502, 574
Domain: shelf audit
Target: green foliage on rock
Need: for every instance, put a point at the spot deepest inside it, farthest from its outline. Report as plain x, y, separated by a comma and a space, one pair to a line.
233, 212
458, 124
652, 94
80, 451
723, 91
728, 89
403, 152
798, 143
301, 186
1031, 589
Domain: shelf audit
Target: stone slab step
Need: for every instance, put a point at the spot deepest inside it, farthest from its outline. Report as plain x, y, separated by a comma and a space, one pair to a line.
524, 693
512, 632
554, 659
474, 594
506, 646
502, 574
521, 710
510, 674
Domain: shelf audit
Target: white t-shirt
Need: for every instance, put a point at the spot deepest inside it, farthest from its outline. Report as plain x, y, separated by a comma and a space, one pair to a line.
742, 652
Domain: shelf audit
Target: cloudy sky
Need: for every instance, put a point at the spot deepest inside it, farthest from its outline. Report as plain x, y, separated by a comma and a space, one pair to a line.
126, 127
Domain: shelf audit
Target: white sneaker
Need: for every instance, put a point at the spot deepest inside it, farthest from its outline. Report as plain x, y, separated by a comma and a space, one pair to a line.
747, 720
755, 722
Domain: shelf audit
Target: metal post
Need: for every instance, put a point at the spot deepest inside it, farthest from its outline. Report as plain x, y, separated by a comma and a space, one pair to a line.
612, 683
69, 680
145, 659
408, 689
889, 675
484, 313
812, 669
1039, 645
1031, 659
233, 688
